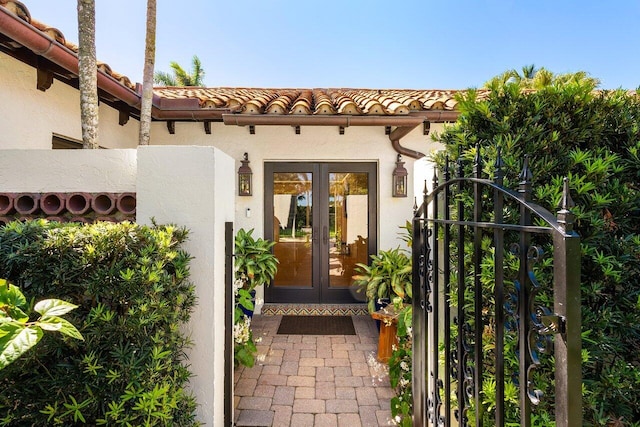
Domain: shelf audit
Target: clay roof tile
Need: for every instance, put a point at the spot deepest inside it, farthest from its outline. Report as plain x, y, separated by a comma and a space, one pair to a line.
17, 8
104, 67
343, 103
322, 103
302, 104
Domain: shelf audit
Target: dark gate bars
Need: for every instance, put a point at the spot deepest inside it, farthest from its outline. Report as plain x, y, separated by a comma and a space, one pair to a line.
433, 276
462, 348
419, 255
498, 238
478, 322
463, 360
446, 274
524, 190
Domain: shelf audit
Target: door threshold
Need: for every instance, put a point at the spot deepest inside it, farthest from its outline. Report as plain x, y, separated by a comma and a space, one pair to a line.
297, 309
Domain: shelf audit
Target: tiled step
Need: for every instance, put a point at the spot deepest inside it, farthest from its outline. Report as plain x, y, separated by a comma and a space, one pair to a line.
270, 309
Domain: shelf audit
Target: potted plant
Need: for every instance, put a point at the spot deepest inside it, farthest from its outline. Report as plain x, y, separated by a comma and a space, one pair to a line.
255, 265
244, 349
388, 277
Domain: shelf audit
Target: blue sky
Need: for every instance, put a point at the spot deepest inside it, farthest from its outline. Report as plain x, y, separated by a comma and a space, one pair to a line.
366, 44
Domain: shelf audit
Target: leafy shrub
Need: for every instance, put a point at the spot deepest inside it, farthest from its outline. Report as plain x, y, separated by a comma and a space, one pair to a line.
400, 371
131, 286
244, 347
388, 276
594, 139
255, 265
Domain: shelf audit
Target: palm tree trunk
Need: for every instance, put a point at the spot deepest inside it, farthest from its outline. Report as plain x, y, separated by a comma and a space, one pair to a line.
87, 72
147, 76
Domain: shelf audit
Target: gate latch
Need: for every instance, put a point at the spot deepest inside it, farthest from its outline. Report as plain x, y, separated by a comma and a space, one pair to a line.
553, 324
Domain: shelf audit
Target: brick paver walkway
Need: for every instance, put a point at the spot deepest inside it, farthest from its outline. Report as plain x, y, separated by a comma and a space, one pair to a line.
313, 380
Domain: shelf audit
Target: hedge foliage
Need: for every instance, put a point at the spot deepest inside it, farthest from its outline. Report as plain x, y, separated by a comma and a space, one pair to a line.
593, 137
131, 284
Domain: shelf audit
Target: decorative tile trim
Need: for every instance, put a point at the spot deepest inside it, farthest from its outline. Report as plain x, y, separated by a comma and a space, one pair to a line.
274, 309
68, 207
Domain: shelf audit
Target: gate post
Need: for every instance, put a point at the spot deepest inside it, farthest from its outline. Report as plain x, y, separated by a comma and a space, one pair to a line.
229, 307
567, 306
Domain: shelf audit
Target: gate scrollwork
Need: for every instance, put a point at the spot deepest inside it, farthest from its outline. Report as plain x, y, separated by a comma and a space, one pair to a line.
513, 310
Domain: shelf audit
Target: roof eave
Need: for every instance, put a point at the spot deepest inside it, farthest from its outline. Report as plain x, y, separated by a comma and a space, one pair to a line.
39, 43
412, 119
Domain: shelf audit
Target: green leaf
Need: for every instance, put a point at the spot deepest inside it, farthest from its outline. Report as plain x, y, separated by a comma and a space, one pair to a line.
245, 357
16, 341
11, 295
61, 325
50, 324
13, 314
54, 307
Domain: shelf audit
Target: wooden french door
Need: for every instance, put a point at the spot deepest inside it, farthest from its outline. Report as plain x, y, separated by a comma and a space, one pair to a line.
323, 218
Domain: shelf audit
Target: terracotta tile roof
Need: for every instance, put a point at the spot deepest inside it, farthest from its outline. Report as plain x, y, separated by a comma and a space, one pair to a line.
316, 101
21, 11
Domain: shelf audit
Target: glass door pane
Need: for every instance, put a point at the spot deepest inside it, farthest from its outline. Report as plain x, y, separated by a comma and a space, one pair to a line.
322, 218
293, 228
349, 225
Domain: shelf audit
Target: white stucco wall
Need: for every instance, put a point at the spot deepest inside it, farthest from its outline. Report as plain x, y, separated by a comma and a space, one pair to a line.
29, 117
67, 170
423, 169
315, 143
189, 186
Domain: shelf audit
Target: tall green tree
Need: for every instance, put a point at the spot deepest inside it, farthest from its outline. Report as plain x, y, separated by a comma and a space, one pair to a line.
147, 76
88, 72
180, 77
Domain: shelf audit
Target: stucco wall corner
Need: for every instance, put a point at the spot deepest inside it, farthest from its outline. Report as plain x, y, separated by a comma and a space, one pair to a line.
188, 186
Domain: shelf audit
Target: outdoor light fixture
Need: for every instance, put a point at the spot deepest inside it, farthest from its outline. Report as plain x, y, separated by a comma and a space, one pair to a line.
399, 179
244, 177
426, 127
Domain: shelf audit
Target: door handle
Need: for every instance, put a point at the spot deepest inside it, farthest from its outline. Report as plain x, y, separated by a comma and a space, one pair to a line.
325, 235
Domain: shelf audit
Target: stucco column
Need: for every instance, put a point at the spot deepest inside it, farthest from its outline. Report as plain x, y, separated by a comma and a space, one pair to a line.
189, 186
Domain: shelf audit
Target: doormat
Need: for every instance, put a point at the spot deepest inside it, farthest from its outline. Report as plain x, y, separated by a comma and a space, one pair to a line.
316, 325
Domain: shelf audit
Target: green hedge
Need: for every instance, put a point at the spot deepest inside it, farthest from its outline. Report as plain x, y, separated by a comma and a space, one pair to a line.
131, 284
593, 137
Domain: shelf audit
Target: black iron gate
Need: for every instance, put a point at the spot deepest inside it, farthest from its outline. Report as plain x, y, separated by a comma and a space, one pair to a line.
482, 284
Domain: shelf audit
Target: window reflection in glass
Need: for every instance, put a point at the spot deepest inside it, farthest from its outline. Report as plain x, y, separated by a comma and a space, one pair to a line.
293, 228
348, 222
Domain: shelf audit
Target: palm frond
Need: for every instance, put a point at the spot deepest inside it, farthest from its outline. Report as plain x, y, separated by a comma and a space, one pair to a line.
166, 79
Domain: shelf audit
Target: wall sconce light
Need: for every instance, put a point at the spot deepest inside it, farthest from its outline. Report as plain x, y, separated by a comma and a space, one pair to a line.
426, 127
399, 179
244, 177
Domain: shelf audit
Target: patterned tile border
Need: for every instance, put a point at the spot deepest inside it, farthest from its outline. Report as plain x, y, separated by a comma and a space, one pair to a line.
273, 309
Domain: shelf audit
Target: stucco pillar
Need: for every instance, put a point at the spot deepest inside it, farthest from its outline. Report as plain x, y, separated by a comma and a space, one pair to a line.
189, 186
